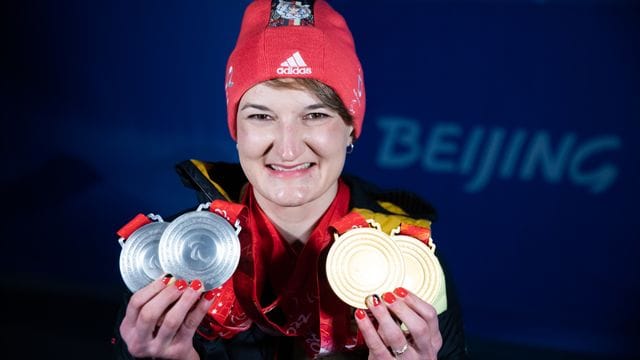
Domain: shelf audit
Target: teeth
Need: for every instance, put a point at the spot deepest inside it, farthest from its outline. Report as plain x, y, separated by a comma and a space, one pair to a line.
295, 168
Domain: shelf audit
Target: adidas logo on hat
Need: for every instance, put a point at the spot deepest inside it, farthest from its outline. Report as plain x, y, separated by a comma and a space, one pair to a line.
294, 65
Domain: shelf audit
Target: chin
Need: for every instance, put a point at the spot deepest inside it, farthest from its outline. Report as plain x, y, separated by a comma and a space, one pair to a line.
290, 199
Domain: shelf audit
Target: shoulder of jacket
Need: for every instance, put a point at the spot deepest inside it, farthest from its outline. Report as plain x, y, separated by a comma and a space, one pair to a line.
389, 208
212, 180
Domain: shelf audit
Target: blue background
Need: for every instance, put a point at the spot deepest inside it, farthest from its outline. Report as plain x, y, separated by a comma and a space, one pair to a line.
100, 99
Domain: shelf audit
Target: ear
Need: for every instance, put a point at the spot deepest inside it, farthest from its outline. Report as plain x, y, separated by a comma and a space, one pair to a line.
352, 134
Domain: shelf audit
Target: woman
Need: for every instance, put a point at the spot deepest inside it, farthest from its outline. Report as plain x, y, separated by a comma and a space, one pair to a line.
296, 103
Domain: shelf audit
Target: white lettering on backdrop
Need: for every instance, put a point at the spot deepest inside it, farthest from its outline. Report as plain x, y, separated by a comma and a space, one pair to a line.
482, 153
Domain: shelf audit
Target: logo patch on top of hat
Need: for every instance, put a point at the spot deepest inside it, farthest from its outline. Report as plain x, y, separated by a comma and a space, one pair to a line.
294, 65
291, 13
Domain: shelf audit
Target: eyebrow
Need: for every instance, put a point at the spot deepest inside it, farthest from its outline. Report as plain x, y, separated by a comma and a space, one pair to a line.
316, 106
265, 108
255, 106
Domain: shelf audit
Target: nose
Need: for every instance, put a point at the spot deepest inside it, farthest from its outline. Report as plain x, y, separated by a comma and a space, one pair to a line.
290, 142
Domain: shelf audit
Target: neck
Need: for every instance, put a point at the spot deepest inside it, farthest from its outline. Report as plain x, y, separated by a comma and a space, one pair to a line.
295, 223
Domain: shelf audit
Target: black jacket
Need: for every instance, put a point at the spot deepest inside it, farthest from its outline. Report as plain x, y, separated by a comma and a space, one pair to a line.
224, 181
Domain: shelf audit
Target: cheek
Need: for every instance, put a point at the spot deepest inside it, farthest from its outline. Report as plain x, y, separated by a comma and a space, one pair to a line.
251, 143
332, 142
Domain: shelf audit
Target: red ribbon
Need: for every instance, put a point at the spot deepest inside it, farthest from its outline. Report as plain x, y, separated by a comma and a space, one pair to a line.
312, 311
419, 232
134, 224
228, 210
353, 220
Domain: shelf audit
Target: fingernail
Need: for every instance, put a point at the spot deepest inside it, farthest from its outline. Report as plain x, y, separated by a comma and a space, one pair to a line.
372, 300
167, 278
209, 295
181, 284
360, 314
196, 285
402, 292
388, 297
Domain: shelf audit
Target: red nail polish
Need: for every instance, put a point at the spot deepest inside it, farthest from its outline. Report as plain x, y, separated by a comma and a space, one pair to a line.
360, 314
166, 279
402, 292
181, 284
389, 298
209, 295
196, 284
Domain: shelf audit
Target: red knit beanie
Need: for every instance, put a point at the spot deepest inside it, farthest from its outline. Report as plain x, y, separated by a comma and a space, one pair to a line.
295, 39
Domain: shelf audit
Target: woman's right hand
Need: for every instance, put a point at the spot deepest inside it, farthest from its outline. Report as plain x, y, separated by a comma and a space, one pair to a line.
162, 318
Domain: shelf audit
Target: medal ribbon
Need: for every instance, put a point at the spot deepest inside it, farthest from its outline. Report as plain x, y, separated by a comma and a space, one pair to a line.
228, 210
225, 317
421, 233
354, 220
322, 322
134, 224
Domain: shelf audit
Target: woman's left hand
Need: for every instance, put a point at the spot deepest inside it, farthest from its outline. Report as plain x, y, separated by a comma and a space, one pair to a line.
387, 340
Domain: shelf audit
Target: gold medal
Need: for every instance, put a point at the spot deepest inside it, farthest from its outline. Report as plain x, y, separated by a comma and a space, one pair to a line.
362, 262
366, 260
423, 273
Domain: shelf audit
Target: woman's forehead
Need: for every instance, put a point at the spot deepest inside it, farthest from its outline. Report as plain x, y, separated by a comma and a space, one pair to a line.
265, 92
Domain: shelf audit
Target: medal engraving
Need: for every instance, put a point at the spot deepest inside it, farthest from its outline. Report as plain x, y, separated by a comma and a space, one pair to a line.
423, 276
200, 245
139, 263
362, 262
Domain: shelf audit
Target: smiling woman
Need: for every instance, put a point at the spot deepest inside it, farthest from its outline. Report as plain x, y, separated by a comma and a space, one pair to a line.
292, 150
295, 106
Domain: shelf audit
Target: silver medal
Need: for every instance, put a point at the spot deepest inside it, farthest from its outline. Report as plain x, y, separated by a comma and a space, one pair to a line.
139, 263
200, 245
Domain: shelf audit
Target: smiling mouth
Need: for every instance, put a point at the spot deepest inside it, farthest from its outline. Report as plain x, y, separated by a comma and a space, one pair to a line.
299, 167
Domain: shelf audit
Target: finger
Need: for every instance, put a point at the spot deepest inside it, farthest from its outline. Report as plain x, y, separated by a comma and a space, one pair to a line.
417, 327
377, 348
154, 309
388, 329
420, 318
176, 316
141, 297
425, 310
195, 316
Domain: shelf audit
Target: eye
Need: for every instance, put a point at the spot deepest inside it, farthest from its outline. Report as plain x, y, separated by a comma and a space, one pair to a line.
259, 117
316, 116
